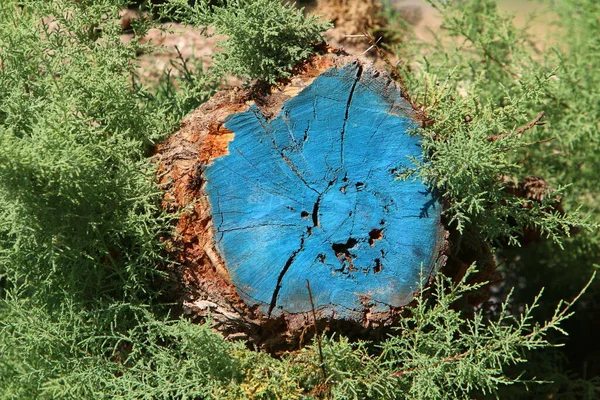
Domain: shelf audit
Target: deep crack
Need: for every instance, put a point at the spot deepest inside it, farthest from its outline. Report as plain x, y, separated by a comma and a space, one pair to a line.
287, 266
359, 72
315, 211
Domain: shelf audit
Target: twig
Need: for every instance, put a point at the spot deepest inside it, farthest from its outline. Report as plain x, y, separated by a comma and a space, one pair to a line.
558, 314
373, 45
563, 313
488, 54
500, 63
384, 57
531, 143
319, 343
529, 125
447, 359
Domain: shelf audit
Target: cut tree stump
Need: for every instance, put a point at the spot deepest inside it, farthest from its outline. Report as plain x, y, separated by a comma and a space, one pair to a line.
298, 184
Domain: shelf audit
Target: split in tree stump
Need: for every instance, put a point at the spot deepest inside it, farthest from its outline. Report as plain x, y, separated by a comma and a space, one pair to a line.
300, 185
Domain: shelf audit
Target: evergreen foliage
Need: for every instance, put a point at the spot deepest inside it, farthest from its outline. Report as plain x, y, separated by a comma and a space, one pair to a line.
485, 97
78, 203
265, 38
80, 222
481, 68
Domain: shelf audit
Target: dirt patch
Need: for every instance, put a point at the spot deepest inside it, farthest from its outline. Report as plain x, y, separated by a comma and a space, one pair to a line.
173, 42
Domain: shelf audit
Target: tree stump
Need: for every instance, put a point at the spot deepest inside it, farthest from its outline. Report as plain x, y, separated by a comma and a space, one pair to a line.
297, 185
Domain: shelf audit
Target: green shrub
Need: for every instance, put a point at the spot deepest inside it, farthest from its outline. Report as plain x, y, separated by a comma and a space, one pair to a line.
265, 38
78, 205
80, 222
482, 77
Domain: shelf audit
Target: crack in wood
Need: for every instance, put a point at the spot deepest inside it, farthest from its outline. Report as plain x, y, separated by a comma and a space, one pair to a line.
359, 71
291, 165
287, 265
265, 188
253, 227
315, 212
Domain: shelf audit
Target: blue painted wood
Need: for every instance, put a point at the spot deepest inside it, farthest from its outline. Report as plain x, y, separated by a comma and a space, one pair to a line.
312, 194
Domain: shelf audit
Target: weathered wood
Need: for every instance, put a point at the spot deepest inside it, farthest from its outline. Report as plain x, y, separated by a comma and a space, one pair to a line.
300, 185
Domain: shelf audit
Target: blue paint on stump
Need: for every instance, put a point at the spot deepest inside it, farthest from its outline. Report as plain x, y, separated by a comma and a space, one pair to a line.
313, 194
